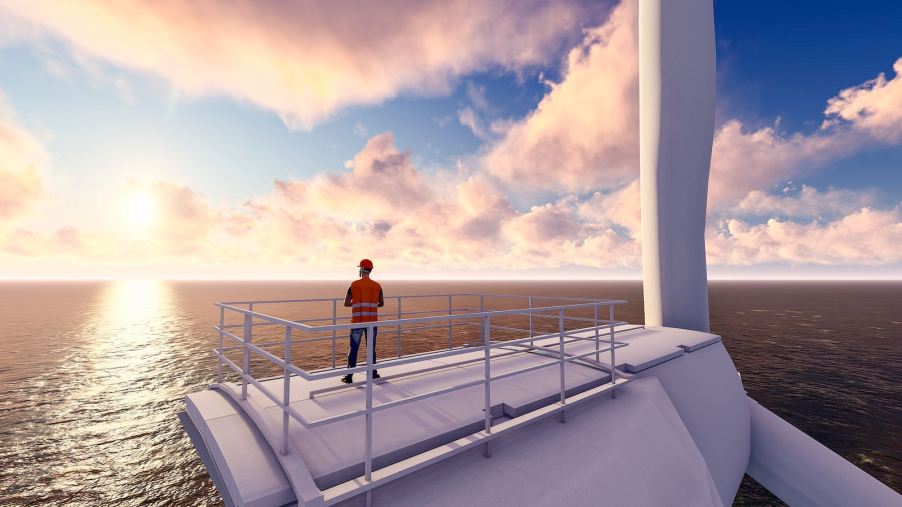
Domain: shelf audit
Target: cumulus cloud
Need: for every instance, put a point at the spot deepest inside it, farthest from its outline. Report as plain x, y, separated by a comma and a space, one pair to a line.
382, 207
744, 160
808, 202
582, 137
874, 107
305, 60
619, 207
864, 237
577, 150
584, 132
21, 184
382, 185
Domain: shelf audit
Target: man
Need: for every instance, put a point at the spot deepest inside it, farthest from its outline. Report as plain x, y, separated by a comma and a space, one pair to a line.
364, 297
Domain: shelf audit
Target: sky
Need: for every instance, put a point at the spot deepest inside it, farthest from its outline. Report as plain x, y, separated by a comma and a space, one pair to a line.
442, 139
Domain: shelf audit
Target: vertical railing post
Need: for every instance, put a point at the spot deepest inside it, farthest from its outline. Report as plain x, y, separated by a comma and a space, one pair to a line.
286, 391
368, 464
487, 381
482, 310
450, 321
399, 327
246, 366
596, 333
563, 385
531, 343
611, 329
221, 345
334, 322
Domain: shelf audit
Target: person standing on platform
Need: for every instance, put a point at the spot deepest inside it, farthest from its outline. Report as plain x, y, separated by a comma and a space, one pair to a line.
363, 298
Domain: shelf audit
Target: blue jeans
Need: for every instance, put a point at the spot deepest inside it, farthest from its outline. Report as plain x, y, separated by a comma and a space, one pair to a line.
355, 345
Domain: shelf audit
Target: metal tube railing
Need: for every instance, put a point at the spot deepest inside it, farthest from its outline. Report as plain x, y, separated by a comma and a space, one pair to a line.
399, 326
596, 332
488, 372
334, 321
248, 319
450, 322
370, 356
563, 384
340, 327
530, 319
286, 390
611, 329
221, 344
484, 319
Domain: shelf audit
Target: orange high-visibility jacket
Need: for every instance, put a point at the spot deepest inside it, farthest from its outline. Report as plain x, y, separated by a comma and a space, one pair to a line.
365, 300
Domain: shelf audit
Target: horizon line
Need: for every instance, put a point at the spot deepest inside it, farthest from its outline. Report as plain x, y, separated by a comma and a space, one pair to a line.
898, 278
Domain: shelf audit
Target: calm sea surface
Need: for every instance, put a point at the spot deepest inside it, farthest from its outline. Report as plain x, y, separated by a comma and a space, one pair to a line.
94, 373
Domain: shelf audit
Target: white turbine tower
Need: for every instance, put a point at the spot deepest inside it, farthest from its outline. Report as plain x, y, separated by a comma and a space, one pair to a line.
676, 127
676, 115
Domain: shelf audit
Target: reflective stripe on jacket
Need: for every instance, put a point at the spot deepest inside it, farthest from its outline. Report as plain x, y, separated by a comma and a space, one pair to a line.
365, 300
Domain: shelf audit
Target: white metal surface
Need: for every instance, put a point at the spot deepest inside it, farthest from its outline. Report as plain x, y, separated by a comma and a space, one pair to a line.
676, 128
281, 439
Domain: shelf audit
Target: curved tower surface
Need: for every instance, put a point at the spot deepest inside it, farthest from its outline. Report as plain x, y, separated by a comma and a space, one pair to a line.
676, 111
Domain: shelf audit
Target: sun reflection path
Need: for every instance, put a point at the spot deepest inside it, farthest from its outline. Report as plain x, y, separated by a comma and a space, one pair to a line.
122, 394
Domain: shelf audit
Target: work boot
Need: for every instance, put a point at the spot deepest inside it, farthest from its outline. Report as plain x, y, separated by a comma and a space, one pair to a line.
347, 379
376, 374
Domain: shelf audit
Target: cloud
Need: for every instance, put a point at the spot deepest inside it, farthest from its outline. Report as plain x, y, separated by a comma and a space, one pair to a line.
864, 237
468, 117
744, 161
619, 207
21, 154
185, 217
382, 185
809, 202
473, 115
306, 60
584, 133
555, 189
874, 107
382, 207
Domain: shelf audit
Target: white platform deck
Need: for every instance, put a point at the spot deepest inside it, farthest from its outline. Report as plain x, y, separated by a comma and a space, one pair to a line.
632, 450
334, 453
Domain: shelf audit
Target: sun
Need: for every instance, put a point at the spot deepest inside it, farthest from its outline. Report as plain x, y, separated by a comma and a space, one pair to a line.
140, 209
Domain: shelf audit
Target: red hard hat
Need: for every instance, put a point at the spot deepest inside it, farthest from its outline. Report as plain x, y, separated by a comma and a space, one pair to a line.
365, 264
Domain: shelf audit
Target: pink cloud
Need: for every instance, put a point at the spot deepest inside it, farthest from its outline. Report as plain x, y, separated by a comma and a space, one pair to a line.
743, 161
619, 207
583, 134
874, 107
808, 202
306, 60
185, 217
21, 184
578, 148
866, 236
382, 185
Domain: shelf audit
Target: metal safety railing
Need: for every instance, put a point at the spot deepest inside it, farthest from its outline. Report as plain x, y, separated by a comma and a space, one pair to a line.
597, 314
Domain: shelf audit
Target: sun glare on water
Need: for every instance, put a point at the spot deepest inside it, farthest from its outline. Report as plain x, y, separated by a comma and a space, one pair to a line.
140, 209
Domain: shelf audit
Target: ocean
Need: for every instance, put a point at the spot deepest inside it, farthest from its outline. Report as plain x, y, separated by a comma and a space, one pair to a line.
94, 373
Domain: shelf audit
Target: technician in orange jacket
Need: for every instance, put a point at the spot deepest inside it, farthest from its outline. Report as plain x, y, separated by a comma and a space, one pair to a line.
363, 298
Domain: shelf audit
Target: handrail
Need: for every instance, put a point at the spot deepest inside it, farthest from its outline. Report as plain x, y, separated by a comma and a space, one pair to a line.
389, 322
406, 322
